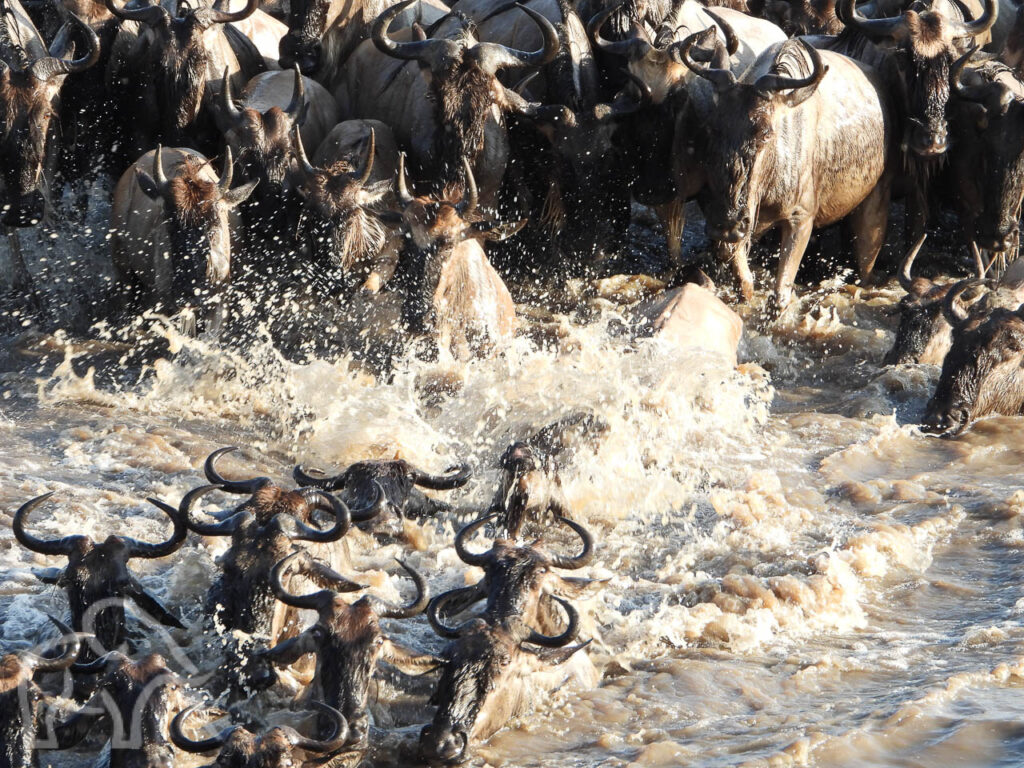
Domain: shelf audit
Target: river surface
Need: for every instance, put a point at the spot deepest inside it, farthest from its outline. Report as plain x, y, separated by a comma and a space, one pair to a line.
795, 574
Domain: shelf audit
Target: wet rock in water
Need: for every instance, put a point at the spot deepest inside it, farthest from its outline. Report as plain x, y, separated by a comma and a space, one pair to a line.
691, 317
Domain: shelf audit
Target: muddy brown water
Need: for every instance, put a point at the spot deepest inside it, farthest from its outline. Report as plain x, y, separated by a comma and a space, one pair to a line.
796, 575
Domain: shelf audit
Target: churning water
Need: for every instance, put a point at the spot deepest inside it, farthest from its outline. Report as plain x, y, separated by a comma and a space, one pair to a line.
795, 575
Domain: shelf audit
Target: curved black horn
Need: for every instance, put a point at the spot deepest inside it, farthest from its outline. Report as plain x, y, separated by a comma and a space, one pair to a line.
138, 548
768, 83
320, 499
416, 607
158, 169
71, 641
42, 546
99, 664
296, 106
150, 15
181, 741
419, 50
300, 153
224, 17
227, 102
584, 557
436, 605
49, 66
983, 23
494, 56
368, 164
464, 554
323, 746
403, 190
313, 602
874, 29
457, 478
306, 480
732, 43
952, 307
633, 49
558, 641
223, 528
231, 486
224, 183
906, 281
470, 196
719, 78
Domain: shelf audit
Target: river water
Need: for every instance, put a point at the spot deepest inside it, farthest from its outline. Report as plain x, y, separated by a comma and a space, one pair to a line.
795, 574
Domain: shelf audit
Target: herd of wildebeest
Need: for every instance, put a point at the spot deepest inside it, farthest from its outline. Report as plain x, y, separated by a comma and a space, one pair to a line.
385, 146
493, 667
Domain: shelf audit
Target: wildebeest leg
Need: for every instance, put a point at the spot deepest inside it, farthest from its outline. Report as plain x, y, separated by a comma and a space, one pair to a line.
21, 278
869, 222
673, 219
736, 255
795, 234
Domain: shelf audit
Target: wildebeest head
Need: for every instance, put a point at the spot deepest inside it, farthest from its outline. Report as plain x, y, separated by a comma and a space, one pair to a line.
176, 56
992, 121
481, 681
348, 642
923, 335
799, 17
136, 699
741, 129
276, 747
339, 219
97, 578
301, 46
399, 480
515, 577
982, 373
927, 41
196, 211
463, 78
262, 141
29, 99
20, 697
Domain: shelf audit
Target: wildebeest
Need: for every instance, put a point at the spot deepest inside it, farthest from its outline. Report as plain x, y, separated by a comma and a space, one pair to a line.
981, 374
799, 17
31, 77
490, 674
987, 123
164, 75
452, 290
20, 697
925, 41
347, 641
263, 530
530, 484
761, 171
172, 202
276, 747
97, 579
362, 481
135, 701
323, 33
441, 96
518, 580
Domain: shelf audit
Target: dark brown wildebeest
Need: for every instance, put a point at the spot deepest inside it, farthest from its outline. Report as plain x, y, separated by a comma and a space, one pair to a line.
276, 747
761, 173
452, 291
164, 75
442, 97
263, 530
488, 676
20, 697
31, 78
97, 579
359, 486
982, 372
172, 202
135, 701
348, 642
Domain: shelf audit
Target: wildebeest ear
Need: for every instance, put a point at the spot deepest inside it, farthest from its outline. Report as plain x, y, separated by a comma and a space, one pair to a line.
576, 587
497, 232
557, 655
239, 194
147, 185
389, 217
